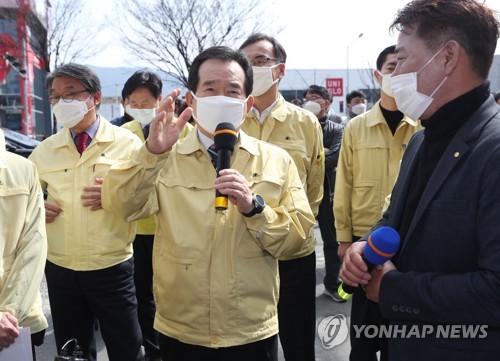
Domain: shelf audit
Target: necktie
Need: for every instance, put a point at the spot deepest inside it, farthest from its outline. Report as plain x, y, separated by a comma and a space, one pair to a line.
213, 154
81, 141
145, 130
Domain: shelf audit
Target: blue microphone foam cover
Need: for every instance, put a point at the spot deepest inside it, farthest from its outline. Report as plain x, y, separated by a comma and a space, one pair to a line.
382, 244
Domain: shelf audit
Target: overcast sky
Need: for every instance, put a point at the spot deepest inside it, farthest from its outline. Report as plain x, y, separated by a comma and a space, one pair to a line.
316, 33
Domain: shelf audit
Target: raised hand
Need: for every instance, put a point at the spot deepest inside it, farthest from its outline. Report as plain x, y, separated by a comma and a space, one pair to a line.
164, 130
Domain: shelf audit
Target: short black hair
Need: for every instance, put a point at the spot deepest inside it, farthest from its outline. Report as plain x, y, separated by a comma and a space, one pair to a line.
279, 51
144, 79
355, 94
77, 71
382, 57
319, 90
225, 54
468, 22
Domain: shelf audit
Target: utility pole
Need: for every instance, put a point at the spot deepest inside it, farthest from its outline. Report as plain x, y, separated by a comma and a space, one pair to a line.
22, 33
347, 65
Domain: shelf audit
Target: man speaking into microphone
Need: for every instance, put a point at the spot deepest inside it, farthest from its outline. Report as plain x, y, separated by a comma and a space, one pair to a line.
215, 265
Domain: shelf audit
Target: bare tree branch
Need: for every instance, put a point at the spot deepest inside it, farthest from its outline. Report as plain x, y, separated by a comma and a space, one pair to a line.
169, 34
70, 37
369, 81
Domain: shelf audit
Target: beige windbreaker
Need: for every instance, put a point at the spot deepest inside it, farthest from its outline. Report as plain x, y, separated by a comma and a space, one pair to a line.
23, 241
215, 272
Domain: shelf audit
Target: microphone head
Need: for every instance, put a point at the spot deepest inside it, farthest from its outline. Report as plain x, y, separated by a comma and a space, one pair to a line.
225, 136
383, 243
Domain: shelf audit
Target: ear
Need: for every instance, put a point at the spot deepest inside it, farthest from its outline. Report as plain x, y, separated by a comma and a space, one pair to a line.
249, 103
189, 98
281, 68
97, 98
452, 52
378, 77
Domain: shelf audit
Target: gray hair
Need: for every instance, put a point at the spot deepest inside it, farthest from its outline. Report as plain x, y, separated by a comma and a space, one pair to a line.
76, 71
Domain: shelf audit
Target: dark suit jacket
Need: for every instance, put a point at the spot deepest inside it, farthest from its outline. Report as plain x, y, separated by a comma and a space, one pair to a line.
448, 265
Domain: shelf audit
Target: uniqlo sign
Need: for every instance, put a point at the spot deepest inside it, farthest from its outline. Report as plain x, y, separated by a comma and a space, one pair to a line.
335, 86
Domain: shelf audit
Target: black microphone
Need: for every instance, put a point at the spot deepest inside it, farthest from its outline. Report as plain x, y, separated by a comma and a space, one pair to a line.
225, 138
382, 244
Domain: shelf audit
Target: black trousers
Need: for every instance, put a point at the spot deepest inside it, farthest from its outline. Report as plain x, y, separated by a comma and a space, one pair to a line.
326, 222
174, 350
297, 308
143, 278
78, 298
366, 312
36, 340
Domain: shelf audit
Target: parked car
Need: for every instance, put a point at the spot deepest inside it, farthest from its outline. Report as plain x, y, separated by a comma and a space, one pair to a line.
19, 143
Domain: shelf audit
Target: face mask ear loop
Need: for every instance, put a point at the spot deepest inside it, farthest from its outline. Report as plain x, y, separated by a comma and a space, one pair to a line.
439, 86
88, 110
431, 59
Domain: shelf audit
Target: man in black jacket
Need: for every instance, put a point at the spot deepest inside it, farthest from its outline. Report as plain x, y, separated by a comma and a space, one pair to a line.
445, 204
318, 102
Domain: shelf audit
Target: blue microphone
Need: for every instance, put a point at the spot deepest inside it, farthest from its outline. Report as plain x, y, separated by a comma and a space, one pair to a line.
382, 244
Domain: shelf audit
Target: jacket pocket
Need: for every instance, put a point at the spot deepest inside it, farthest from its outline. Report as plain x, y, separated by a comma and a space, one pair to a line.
365, 208
270, 189
101, 166
183, 237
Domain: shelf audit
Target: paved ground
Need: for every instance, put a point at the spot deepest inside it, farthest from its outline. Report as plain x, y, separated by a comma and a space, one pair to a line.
325, 307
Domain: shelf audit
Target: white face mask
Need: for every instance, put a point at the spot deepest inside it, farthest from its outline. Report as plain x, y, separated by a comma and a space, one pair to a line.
408, 99
210, 111
358, 108
386, 84
262, 79
312, 106
143, 116
72, 113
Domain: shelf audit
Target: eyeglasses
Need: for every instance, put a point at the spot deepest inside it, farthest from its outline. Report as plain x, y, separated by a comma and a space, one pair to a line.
262, 60
67, 97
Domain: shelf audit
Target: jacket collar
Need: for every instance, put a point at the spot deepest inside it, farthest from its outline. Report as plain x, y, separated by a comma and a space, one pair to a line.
474, 125
375, 116
104, 134
279, 112
192, 144
460, 146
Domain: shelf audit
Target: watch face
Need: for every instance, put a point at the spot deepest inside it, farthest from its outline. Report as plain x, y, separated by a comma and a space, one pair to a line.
260, 204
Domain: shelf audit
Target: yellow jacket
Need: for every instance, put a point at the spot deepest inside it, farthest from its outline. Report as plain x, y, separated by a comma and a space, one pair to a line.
81, 239
148, 225
299, 133
23, 241
215, 272
368, 166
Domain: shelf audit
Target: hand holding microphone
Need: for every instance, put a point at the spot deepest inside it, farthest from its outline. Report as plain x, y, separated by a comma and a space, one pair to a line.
230, 182
381, 245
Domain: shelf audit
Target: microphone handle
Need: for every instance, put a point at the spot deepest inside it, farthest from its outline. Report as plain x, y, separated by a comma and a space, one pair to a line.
346, 291
223, 162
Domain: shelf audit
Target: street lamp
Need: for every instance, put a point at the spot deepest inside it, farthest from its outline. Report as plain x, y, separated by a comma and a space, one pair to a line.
347, 78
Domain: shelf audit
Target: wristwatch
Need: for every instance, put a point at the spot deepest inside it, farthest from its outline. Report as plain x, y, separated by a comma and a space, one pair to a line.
258, 204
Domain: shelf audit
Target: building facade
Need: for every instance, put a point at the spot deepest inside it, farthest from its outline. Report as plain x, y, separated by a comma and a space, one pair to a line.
23, 67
